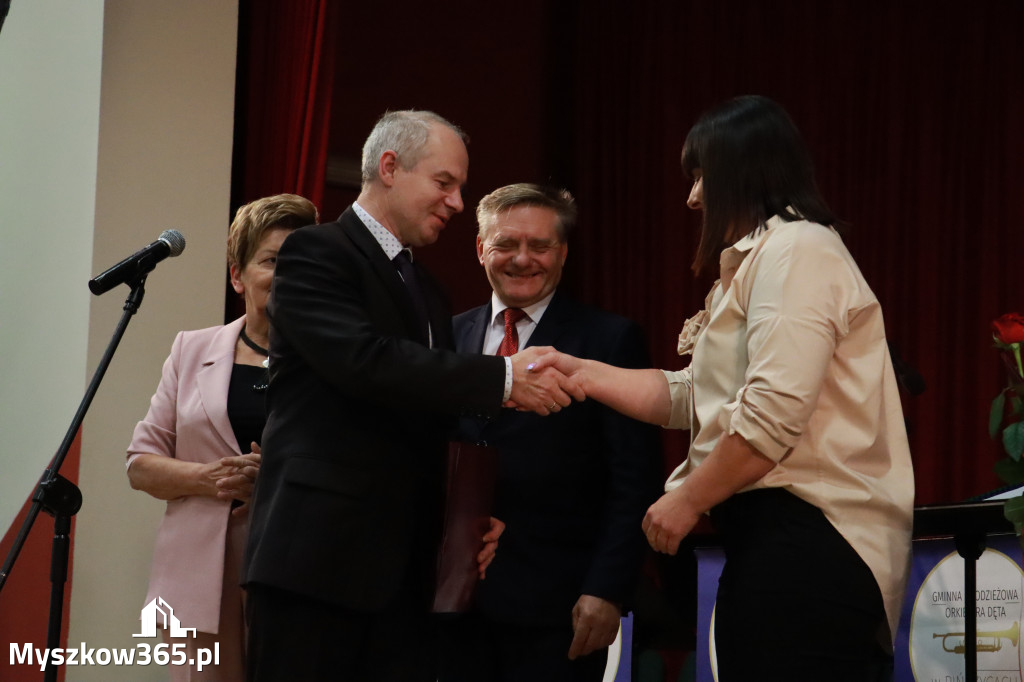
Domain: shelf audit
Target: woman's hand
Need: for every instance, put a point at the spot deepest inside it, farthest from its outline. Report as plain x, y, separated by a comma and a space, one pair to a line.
168, 478
537, 387
642, 394
669, 520
566, 364
733, 465
238, 478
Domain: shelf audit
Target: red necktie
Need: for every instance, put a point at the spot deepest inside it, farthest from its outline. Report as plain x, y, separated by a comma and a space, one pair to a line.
510, 344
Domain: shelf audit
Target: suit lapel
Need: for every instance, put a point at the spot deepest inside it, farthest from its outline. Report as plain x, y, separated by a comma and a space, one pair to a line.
470, 336
438, 308
557, 318
214, 378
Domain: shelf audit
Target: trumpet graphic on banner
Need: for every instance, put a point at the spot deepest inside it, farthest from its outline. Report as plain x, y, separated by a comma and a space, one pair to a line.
987, 641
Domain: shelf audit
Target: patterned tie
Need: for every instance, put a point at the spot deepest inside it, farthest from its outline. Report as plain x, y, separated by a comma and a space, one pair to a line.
403, 261
510, 344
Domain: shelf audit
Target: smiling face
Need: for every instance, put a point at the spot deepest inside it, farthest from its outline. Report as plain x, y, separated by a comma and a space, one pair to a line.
253, 279
420, 200
522, 255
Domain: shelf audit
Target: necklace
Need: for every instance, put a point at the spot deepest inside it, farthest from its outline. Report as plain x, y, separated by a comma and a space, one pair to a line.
256, 347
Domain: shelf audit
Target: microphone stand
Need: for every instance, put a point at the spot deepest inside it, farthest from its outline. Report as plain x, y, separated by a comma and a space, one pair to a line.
60, 498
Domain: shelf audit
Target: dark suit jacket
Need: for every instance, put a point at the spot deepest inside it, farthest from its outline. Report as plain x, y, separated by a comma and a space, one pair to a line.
359, 410
574, 486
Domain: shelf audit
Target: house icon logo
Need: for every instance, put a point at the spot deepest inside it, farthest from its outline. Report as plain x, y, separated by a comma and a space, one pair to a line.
159, 610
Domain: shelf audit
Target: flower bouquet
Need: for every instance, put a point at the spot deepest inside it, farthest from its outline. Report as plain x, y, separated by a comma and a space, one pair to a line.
1006, 419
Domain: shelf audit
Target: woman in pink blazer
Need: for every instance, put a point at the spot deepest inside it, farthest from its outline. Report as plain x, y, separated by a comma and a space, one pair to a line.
207, 411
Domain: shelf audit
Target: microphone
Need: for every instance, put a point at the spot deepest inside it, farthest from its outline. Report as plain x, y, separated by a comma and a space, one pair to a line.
169, 243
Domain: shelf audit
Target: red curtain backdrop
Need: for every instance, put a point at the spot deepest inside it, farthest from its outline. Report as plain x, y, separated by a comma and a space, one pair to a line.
285, 78
283, 92
913, 111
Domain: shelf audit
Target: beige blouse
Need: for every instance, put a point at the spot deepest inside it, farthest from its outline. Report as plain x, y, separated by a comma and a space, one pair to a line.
791, 354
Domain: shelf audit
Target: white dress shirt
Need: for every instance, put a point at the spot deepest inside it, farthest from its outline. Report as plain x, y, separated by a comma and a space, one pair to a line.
524, 327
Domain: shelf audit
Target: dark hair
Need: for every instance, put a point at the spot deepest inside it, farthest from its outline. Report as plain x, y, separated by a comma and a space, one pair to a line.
754, 165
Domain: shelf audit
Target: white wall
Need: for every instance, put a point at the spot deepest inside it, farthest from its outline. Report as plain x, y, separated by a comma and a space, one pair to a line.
116, 123
166, 121
49, 120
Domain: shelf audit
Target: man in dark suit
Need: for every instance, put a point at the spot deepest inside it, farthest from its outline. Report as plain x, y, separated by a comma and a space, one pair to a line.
363, 391
572, 488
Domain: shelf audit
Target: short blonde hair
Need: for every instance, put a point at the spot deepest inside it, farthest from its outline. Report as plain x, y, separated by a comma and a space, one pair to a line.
288, 211
528, 194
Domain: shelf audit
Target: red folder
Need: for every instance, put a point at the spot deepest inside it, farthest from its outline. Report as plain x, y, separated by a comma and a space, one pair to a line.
472, 476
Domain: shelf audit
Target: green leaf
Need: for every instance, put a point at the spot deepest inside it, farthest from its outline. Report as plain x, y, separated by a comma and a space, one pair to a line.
995, 415
1013, 439
1009, 471
1013, 510
1016, 405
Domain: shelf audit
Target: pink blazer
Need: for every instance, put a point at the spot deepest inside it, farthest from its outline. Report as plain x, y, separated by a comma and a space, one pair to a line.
188, 419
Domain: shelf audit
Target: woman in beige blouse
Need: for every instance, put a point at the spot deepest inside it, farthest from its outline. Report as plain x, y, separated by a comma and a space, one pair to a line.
797, 442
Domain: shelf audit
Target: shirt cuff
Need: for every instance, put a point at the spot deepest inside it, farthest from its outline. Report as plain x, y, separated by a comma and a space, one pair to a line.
508, 381
131, 458
679, 394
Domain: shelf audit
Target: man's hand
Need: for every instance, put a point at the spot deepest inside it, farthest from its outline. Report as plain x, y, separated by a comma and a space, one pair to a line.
541, 389
669, 520
238, 478
595, 622
486, 555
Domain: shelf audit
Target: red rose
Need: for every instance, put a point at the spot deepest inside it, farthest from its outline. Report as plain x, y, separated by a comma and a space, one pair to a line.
1009, 328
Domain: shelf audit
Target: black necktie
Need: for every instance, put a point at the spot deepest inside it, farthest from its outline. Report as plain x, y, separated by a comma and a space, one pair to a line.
403, 261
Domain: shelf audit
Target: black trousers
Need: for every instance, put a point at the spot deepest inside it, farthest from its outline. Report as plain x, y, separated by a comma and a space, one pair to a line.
293, 638
476, 649
795, 601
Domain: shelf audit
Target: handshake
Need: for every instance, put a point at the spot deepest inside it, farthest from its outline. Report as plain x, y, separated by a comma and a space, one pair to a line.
544, 380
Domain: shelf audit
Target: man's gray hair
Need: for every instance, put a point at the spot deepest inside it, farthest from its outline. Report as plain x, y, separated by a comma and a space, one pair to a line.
406, 134
527, 194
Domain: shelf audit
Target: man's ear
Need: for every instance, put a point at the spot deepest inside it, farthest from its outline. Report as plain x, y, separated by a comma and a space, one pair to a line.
479, 249
387, 166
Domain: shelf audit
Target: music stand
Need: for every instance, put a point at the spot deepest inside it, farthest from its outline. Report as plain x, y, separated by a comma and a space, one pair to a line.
968, 523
